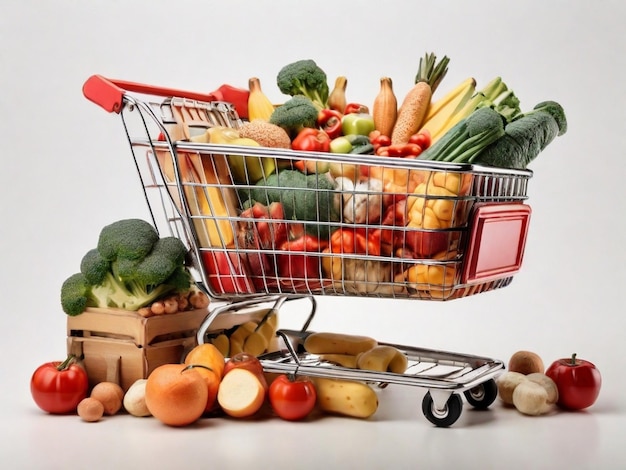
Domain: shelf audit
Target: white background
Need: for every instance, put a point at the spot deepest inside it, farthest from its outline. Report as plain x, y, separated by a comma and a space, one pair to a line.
67, 171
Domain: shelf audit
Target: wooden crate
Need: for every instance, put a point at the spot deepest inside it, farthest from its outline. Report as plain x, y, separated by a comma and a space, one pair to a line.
122, 346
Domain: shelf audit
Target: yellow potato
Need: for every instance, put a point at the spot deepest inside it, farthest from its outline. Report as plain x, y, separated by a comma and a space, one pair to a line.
338, 343
345, 397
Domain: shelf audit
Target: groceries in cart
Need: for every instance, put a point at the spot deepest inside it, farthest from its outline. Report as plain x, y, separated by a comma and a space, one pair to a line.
418, 197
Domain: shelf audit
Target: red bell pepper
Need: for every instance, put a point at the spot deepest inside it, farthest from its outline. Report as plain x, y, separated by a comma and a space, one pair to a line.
329, 121
361, 241
409, 242
356, 108
261, 228
298, 263
311, 140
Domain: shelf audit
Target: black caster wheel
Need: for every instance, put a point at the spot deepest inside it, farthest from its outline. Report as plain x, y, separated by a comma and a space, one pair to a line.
445, 417
483, 395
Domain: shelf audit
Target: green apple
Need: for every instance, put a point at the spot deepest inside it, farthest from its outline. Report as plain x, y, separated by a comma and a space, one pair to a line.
340, 145
357, 123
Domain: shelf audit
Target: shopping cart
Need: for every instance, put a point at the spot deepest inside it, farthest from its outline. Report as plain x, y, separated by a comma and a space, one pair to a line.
261, 232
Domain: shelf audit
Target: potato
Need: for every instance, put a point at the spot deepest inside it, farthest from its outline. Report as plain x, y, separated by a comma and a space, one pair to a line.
526, 362
377, 358
383, 358
531, 398
344, 360
110, 394
135, 399
90, 410
338, 343
345, 397
507, 383
547, 383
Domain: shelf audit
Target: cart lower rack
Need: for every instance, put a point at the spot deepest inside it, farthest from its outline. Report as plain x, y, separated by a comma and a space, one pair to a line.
266, 222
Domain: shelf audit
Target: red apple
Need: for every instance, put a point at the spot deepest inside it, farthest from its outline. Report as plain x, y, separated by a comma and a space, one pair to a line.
249, 362
578, 382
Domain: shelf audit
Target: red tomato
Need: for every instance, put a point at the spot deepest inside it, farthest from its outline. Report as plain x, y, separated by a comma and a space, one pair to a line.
57, 387
421, 138
292, 398
578, 382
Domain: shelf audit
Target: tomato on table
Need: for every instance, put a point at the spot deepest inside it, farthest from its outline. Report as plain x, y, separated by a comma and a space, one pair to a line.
58, 387
292, 397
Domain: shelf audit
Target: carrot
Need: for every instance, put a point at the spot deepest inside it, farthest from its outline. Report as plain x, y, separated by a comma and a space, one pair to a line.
415, 104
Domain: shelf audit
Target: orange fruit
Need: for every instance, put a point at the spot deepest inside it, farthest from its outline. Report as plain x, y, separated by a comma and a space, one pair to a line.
208, 355
176, 395
213, 384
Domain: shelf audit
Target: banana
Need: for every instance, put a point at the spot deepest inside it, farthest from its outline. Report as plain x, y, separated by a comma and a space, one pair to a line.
259, 105
239, 336
259, 341
492, 89
222, 343
440, 112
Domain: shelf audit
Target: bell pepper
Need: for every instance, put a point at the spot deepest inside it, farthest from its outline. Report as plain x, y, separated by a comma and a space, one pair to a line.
311, 140
261, 228
329, 121
298, 262
360, 241
347, 264
356, 108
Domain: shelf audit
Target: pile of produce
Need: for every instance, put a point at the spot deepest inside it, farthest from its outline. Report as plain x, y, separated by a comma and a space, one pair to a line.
350, 215
132, 268
484, 126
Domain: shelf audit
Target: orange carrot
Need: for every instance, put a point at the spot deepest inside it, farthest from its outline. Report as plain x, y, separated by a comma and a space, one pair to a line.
415, 104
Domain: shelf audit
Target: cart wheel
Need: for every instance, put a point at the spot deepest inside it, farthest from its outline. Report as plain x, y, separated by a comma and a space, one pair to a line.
483, 395
447, 416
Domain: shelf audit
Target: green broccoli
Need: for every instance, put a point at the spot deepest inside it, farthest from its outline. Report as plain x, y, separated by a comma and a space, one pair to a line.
304, 77
309, 198
127, 238
525, 137
295, 114
121, 279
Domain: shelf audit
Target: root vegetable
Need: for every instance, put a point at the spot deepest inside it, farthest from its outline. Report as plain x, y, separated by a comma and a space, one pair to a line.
110, 395
198, 299
135, 399
547, 383
338, 343
531, 398
507, 383
345, 397
90, 410
526, 362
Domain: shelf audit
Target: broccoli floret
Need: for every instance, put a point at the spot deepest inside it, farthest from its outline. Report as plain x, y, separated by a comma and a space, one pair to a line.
304, 77
167, 254
295, 114
128, 238
121, 279
77, 293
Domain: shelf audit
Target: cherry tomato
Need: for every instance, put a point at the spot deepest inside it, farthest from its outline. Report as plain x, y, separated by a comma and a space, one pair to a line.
421, 138
578, 382
292, 398
57, 387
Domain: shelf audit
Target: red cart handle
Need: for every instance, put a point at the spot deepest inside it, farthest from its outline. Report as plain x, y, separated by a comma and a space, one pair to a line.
109, 94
